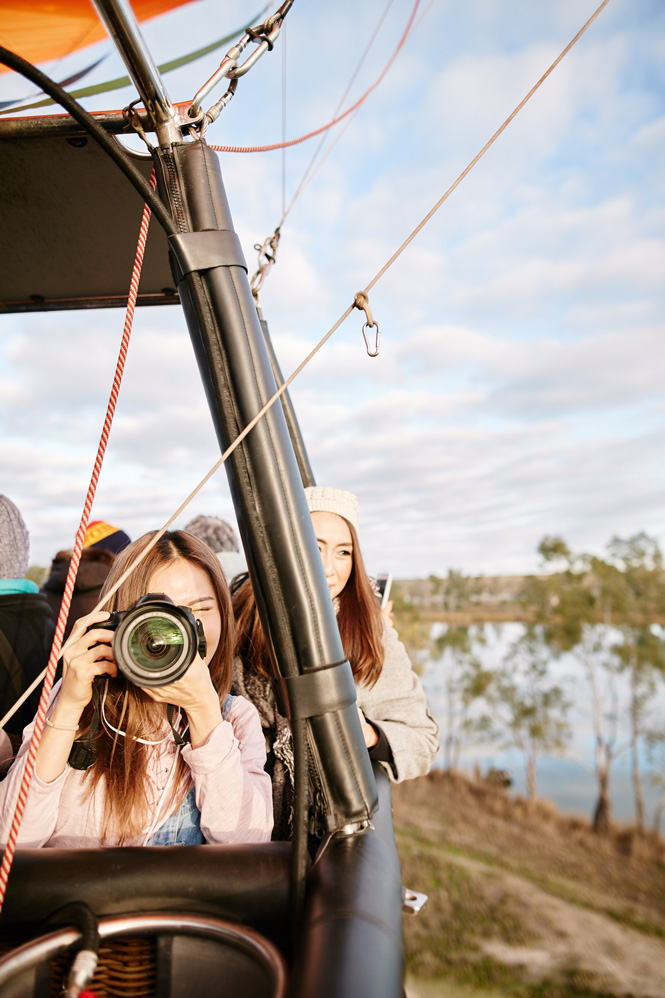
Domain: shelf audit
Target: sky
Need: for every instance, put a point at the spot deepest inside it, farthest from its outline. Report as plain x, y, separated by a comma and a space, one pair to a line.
518, 389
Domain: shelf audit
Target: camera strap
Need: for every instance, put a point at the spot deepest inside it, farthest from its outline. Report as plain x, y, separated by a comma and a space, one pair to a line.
83, 753
179, 739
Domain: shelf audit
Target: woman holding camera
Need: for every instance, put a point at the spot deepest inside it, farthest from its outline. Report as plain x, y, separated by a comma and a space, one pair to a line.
121, 764
399, 730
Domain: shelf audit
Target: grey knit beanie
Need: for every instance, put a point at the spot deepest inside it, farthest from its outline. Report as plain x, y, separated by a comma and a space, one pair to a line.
14, 541
217, 534
322, 499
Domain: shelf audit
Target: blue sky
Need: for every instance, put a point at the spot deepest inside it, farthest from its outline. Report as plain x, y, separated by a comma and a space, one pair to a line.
518, 391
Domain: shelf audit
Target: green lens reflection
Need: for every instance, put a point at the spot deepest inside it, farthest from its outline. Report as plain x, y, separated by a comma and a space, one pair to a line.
155, 643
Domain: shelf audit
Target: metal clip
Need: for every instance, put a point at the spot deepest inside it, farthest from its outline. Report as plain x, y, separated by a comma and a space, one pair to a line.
131, 116
375, 351
267, 258
214, 112
412, 901
361, 301
263, 36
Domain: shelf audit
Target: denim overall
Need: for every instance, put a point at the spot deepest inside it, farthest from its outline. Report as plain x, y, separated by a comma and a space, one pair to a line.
184, 827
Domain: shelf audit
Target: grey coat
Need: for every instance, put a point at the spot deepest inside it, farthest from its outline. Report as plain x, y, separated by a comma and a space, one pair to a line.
395, 704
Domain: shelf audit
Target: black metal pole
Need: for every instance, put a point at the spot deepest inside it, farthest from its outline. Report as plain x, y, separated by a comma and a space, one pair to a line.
295, 433
273, 518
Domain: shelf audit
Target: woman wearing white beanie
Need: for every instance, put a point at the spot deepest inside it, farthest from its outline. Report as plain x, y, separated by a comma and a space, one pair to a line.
399, 730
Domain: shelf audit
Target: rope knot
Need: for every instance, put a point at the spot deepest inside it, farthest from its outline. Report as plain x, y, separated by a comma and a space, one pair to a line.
361, 301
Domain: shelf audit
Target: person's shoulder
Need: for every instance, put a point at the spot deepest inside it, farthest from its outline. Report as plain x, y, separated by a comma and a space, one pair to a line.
241, 709
33, 605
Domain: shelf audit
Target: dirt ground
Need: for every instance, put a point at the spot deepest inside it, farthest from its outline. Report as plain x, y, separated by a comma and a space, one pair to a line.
593, 908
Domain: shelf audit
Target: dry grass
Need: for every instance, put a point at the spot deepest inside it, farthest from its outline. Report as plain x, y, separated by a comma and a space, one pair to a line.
514, 888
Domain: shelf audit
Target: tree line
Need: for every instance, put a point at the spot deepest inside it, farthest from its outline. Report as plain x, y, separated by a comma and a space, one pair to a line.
606, 614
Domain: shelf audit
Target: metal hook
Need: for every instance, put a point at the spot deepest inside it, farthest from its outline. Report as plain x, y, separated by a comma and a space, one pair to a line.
361, 301
131, 116
375, 351
267, 257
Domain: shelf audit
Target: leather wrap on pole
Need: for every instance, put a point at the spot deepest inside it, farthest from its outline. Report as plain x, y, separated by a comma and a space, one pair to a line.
274, 522
351, 934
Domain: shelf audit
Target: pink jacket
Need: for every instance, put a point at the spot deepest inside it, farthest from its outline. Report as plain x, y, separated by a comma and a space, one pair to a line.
233, 792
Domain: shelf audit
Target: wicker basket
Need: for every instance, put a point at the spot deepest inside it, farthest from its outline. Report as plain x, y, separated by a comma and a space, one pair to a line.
153, 956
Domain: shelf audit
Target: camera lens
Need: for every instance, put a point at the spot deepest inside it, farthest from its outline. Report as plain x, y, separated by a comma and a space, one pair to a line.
155, 645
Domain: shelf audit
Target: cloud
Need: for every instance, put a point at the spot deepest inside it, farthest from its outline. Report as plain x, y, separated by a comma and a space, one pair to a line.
517, 391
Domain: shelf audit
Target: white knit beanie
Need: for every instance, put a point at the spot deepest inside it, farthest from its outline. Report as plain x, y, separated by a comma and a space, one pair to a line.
14, 541
322, 499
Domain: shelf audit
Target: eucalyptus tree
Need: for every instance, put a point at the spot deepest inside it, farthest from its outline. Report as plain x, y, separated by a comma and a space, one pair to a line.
655, 741
634, 602
602, 666
565, 603
603, 611
527, 710
464, 681
413, 630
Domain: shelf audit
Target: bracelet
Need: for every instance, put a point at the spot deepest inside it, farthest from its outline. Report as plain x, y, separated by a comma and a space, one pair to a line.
61, 727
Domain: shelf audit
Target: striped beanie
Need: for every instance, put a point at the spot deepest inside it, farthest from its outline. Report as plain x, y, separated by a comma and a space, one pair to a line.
102, 535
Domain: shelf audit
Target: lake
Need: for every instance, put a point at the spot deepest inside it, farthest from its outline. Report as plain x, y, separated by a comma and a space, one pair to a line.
568, 782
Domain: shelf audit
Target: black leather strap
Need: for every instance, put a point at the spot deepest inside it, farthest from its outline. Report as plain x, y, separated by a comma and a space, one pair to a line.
207, 249
318, 691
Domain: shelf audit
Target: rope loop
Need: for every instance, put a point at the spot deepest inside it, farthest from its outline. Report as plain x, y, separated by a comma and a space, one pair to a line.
361, 301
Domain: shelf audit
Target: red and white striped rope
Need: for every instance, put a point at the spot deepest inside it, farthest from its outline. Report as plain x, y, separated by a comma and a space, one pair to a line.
344, 114
10, 848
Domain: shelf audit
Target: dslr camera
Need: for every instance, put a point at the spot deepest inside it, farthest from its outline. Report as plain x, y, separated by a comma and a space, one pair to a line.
155, 642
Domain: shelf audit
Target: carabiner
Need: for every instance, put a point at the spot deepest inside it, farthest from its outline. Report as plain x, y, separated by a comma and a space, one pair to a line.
377, 338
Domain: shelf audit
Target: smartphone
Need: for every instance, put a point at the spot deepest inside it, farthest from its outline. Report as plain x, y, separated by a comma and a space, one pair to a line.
383, 584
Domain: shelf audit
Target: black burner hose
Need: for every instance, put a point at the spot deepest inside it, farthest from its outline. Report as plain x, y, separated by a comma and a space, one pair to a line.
87, 121
84, 963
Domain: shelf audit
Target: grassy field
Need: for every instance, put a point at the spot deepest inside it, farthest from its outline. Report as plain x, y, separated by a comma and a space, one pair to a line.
523, 901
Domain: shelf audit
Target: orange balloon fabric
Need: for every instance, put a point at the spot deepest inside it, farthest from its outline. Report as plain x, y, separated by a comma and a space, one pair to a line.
40, 30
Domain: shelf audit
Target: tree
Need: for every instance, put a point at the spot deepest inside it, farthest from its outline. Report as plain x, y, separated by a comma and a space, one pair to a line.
655, 740
464, 682
566, 605
455, 592
414, 632
580, 606
634, 601
526, 710
601, 666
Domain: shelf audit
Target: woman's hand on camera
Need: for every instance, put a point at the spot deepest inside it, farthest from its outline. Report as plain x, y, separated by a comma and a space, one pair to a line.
88, 655
195, 693
84, 658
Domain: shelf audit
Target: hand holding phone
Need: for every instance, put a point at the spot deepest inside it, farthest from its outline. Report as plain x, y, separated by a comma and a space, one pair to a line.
383, 584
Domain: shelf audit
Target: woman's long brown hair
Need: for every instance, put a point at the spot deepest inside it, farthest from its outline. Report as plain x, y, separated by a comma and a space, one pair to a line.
359, 620
122, 763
